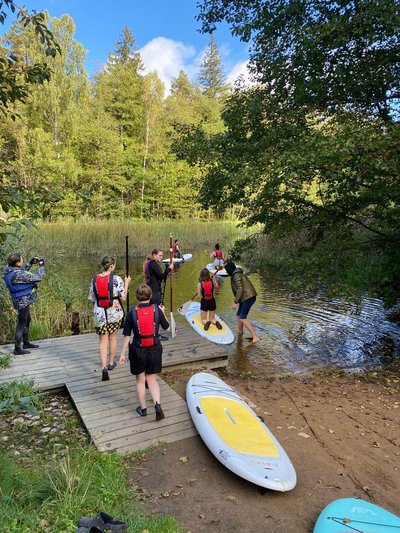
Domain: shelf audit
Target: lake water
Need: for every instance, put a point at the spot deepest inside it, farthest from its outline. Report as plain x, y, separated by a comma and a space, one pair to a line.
299, 332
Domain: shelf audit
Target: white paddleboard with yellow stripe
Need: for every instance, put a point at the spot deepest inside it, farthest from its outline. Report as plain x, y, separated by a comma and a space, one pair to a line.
219, 336
237, 437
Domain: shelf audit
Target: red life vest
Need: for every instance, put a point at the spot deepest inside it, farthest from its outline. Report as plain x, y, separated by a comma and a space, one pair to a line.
146, 321
174, 248
103, 288
218, 254
207, 290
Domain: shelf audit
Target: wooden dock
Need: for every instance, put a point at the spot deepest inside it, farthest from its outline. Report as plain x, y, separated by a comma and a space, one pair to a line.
107, 409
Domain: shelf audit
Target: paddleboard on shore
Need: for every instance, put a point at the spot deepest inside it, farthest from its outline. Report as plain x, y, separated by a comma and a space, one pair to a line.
237, 437
219, 336
352, 514
186, 257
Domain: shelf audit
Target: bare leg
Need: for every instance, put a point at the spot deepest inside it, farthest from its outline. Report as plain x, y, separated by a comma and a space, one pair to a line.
212, 316
140, 389
103, 349
203, 315
248, 325
240, 326
153, 387
113, 346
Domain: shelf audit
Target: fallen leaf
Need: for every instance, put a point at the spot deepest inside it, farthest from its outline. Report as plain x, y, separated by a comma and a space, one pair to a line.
183, 459
231, 499
304, 435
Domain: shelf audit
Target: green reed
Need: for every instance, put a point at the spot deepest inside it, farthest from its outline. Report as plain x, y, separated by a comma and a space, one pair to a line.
67, 239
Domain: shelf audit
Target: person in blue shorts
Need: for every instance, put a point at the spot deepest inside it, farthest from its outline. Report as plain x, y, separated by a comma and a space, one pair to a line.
245, 296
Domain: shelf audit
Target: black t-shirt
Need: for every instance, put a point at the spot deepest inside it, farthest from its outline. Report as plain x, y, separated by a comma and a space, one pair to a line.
128, 324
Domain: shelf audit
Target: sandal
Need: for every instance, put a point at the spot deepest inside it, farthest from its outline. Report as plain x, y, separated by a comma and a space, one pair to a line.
219, 325
207, 326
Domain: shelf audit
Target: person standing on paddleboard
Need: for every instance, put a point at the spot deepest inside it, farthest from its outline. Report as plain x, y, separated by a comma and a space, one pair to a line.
218, 257
176, 250
205, 291
107, 291
145, 350
245, 296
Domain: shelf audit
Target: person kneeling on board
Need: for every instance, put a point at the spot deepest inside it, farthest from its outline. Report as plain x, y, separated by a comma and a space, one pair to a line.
205, 290
145, 350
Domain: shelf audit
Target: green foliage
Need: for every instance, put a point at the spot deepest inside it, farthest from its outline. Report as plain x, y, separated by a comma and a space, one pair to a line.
18, 396
318, 54
5, 360
211, 76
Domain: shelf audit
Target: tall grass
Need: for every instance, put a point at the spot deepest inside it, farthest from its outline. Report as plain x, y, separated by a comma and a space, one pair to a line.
107, 237
52, 494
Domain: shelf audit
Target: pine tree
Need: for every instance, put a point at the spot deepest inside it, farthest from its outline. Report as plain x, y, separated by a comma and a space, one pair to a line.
211, 76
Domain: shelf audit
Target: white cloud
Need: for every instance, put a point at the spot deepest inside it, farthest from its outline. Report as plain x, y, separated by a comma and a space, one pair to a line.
239, 69
168, 58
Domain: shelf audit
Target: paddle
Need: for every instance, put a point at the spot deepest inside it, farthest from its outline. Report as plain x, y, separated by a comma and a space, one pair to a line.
172, 324
182, 310
127, 269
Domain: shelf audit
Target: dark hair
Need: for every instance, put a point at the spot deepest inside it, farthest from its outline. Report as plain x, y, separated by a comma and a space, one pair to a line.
107, 261
13, 259
143, 293
176, 240
217, 246
230, 267
204, 275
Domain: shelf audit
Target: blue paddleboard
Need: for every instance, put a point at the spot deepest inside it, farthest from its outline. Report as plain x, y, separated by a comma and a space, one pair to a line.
352, 514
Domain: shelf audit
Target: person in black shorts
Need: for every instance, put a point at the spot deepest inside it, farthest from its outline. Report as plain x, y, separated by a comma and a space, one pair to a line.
145, 350
205, 290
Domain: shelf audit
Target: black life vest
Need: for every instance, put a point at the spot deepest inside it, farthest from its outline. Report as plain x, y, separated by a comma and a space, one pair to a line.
103, 288
207, 290
218, 254
146, 322
146, 271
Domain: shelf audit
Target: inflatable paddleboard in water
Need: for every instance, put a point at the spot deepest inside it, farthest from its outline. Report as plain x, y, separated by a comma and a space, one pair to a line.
352, 514
237, 437
219, 336
186, 257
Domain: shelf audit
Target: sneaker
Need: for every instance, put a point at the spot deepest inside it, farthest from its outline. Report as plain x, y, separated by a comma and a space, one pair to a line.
105, 376
140, 411
207, 326
30, 345
219, 325
159, 412
20, 351
111, 367
164, 338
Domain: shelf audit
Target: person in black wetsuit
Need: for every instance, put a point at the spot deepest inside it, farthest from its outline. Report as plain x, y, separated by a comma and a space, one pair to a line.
154, 275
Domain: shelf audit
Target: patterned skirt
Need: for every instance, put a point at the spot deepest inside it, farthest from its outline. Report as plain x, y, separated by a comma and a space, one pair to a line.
110, 327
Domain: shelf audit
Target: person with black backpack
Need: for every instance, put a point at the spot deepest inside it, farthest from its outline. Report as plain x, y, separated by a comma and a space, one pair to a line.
145, 350
107, 292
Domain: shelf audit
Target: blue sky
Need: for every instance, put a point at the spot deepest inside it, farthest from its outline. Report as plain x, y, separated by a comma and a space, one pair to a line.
166, 33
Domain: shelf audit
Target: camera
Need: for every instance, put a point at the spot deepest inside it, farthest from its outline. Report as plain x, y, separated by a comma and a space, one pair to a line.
37, 261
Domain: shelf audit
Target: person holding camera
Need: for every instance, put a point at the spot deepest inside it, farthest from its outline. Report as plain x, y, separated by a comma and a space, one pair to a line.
22, 285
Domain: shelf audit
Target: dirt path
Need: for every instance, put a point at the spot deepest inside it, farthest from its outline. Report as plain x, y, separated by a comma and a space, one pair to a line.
341, 432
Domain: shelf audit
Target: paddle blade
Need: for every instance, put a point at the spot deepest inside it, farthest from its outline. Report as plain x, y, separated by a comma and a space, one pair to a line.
184, 308
172, 326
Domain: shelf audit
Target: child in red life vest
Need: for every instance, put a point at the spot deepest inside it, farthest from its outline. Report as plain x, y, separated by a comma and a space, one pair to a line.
145, 350
218, 257
205, 290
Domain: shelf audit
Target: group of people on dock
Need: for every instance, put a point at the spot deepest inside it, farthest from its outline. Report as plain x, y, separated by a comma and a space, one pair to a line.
143, 322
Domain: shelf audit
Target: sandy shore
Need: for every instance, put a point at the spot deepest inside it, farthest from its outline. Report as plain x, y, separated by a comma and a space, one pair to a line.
342, 433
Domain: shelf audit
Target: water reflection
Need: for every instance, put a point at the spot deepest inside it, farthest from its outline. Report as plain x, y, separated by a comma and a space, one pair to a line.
298, 331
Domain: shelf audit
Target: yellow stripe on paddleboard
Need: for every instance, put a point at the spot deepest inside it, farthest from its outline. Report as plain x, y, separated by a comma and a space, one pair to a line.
238, 427
213, 330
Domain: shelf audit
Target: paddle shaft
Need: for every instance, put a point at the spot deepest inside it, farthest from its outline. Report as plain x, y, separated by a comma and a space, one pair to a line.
127, 269
171, 259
